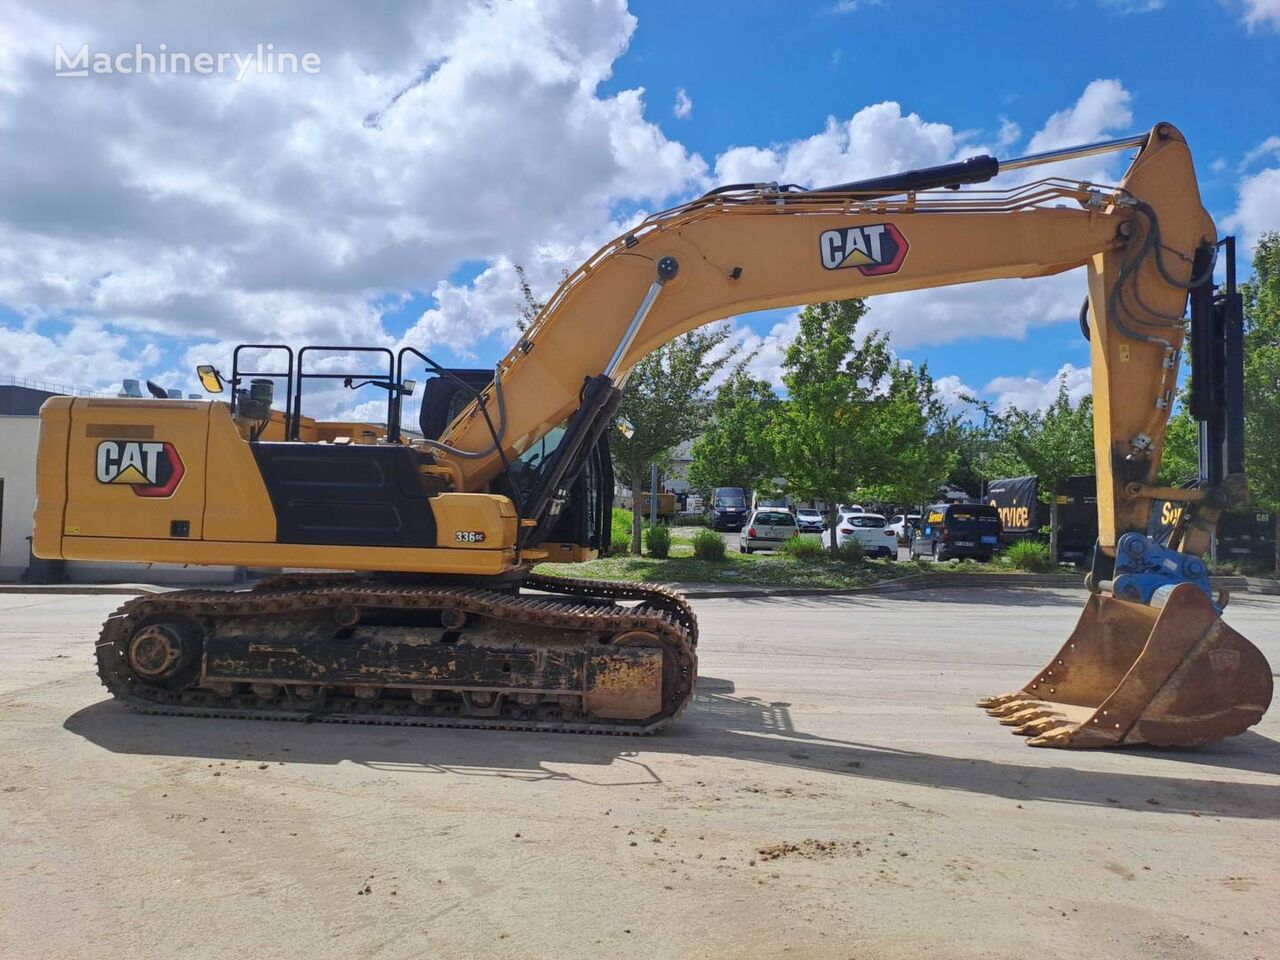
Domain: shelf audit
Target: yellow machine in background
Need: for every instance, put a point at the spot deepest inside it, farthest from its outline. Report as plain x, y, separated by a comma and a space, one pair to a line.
436, 617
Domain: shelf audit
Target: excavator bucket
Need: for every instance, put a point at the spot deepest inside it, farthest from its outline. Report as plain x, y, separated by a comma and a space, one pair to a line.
1171, 675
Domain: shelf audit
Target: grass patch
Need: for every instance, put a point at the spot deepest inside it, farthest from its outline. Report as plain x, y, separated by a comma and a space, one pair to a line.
757, 569
1030, 556
803, 548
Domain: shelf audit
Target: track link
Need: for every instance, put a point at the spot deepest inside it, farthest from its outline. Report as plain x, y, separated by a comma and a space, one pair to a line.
567, 608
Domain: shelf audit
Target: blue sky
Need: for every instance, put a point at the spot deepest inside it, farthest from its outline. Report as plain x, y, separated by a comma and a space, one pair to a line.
774, 71
148, 223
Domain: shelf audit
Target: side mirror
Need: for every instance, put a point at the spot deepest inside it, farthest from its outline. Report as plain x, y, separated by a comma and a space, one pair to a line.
408, 387
210, 379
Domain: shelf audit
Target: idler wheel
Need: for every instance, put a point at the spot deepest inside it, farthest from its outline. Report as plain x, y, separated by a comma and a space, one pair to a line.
166, 651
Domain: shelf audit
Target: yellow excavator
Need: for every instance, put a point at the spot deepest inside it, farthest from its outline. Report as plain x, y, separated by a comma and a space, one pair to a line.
425, 609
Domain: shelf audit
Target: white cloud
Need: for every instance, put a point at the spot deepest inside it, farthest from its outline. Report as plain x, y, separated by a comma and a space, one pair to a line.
1009, 133
876, 140
995, 308
768, 349
1262, 12
1134, 6
1258, 209
683, 106
953, 391
1102, 110
434, 135
86, 357
1036, 393
1268, 147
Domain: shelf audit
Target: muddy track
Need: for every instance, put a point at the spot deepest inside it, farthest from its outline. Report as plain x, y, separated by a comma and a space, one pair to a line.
568, 608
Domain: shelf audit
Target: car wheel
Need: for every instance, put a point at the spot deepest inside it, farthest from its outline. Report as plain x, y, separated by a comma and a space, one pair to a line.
746, 549
938, 555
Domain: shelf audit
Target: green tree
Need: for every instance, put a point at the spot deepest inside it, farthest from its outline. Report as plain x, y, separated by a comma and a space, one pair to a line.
823, 434
1052, 444
736, 450
664, 404
530, 306
1262, 372
915, 435
1180, 460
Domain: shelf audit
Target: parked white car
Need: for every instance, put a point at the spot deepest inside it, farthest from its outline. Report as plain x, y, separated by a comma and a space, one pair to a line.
809, 520
868, 529
904, 526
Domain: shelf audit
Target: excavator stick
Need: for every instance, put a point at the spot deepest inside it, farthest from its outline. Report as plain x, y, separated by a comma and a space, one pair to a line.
1133, 673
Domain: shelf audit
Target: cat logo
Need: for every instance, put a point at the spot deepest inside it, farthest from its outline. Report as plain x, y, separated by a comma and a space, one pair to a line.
875, 250
152, 469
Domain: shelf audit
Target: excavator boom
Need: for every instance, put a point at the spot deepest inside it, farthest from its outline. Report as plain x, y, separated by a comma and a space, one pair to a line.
446, 528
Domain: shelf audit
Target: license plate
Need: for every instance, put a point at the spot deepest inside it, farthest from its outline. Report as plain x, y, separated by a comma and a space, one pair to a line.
988, 539
964, 543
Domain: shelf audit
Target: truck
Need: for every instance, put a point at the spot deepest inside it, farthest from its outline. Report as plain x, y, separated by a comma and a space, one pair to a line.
1021, 512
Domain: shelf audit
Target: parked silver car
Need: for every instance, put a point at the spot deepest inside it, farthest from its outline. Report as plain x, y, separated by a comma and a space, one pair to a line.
766, 530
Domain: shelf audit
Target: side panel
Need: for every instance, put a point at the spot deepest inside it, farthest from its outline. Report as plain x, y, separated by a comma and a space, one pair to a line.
236, 503
51, 477
135, 468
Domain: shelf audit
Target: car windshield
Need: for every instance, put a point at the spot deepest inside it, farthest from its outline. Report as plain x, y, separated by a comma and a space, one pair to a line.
775, 519
865, 520
733, 501
808, 514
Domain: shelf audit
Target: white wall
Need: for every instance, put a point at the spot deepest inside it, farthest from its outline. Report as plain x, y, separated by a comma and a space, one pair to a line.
18, 436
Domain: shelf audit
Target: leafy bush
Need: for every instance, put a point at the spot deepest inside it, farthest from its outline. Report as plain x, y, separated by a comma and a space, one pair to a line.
658, 541
708, 545
803, 548
851, 551
1030, 555
620, 537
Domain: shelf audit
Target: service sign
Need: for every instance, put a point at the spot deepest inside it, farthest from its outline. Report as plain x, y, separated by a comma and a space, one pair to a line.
151, 468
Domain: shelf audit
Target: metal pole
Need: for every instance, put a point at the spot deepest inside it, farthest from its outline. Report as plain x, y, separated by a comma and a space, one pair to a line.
1073, 153
667, 268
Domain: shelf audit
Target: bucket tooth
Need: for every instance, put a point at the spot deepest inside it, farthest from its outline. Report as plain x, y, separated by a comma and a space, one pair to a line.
1014, 706
1024, 716
987, 703
1131, 673
1037, 727
1059, 736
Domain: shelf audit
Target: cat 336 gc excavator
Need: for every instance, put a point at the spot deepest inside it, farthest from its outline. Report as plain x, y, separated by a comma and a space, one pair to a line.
430, 613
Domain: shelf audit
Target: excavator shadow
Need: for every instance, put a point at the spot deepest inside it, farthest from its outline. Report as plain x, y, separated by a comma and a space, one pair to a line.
719, 724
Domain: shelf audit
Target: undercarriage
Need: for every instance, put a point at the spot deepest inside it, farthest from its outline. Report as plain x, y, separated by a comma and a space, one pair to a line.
574, 656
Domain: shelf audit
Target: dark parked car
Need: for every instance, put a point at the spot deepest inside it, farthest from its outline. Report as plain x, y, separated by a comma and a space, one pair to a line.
953, 530
728, 508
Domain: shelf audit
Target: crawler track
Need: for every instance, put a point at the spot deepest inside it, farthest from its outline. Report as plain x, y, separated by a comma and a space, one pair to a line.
347, 649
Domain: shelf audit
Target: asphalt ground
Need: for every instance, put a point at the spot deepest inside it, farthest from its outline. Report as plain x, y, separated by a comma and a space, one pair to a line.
832, 793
